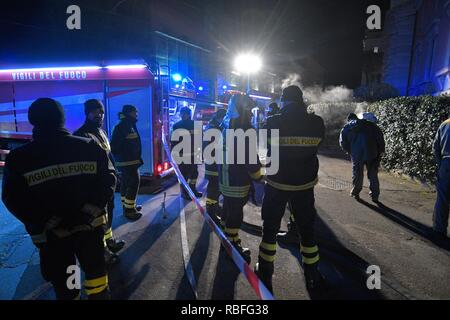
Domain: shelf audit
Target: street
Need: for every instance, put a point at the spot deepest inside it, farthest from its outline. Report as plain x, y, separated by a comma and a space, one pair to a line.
352, 236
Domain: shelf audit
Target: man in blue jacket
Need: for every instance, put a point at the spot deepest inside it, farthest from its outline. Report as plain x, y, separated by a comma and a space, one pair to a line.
364, 141
442, 155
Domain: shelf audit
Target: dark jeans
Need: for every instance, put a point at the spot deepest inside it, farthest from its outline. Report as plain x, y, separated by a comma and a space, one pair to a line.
56, 256
441, 208
372, 174
129, 186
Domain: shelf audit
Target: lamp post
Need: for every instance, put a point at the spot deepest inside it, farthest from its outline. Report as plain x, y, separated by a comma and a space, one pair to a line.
248, 64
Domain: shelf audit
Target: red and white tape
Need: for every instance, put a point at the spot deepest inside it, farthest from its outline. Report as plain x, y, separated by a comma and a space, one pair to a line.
257, 285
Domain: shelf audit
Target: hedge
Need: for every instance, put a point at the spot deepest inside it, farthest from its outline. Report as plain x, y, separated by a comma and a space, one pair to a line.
409, 125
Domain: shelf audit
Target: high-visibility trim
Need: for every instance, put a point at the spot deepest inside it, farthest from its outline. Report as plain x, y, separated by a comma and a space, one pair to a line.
59, 171
211, 201
211, 173
307, 260
108, 234
269, 246
296, 141
256, 175
232, 231
132, 135
192, 181
288, 187
99, 289
129, 206
292, 216
39, 238
128, 163
234, 191
129, 201
99, 221
266, 257
122, 198
92, 283
309, 249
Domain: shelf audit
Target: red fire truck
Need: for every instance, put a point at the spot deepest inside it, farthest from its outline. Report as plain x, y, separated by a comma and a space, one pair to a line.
114, 84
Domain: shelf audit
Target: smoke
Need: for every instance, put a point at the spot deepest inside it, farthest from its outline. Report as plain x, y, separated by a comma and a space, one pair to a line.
293, 79
317, 94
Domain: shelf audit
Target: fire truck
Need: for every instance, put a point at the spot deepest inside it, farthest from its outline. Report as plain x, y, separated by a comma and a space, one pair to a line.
114, 84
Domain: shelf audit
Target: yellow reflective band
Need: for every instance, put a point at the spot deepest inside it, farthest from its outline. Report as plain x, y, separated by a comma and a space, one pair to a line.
108, 234
269, 246
211, 201
128, 201
309, 249
233, 239
60, 171
256, 175
122, 198
232, 231
92, 283
266, 257
95, 290
211, 173
192, 181
128, 206
39, 238
292, 216
297, 142
99, 221
132, 135
288, 187
128, 163
310, 260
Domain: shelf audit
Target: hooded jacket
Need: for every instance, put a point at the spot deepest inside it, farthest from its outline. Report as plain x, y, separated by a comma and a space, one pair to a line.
363, 140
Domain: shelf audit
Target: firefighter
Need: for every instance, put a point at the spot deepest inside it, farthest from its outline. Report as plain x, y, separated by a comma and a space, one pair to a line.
126, 149
442, 155
235, 180
92, 128
58, 186
188, 170
212, 174
300, 134
364, 141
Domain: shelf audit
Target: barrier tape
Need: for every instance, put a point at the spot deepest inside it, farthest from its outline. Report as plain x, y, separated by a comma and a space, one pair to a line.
257, 285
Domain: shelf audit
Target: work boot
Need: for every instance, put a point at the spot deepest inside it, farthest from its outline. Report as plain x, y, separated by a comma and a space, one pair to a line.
196, 193
115, 245
314, 280
244, 252
110, 258
132, 214
264, 271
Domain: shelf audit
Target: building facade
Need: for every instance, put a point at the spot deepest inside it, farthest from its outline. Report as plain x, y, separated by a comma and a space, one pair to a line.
417, 57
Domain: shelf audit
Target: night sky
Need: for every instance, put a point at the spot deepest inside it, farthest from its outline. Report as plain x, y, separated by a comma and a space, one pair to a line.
326, 33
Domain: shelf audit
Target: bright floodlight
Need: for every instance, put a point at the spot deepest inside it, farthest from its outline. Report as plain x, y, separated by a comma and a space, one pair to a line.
248, 63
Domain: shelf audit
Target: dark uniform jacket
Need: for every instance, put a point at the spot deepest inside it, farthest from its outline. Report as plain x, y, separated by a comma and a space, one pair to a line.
441, 145
363, 140
91, 131
235, 179
126, 144
58, 184
300, 135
